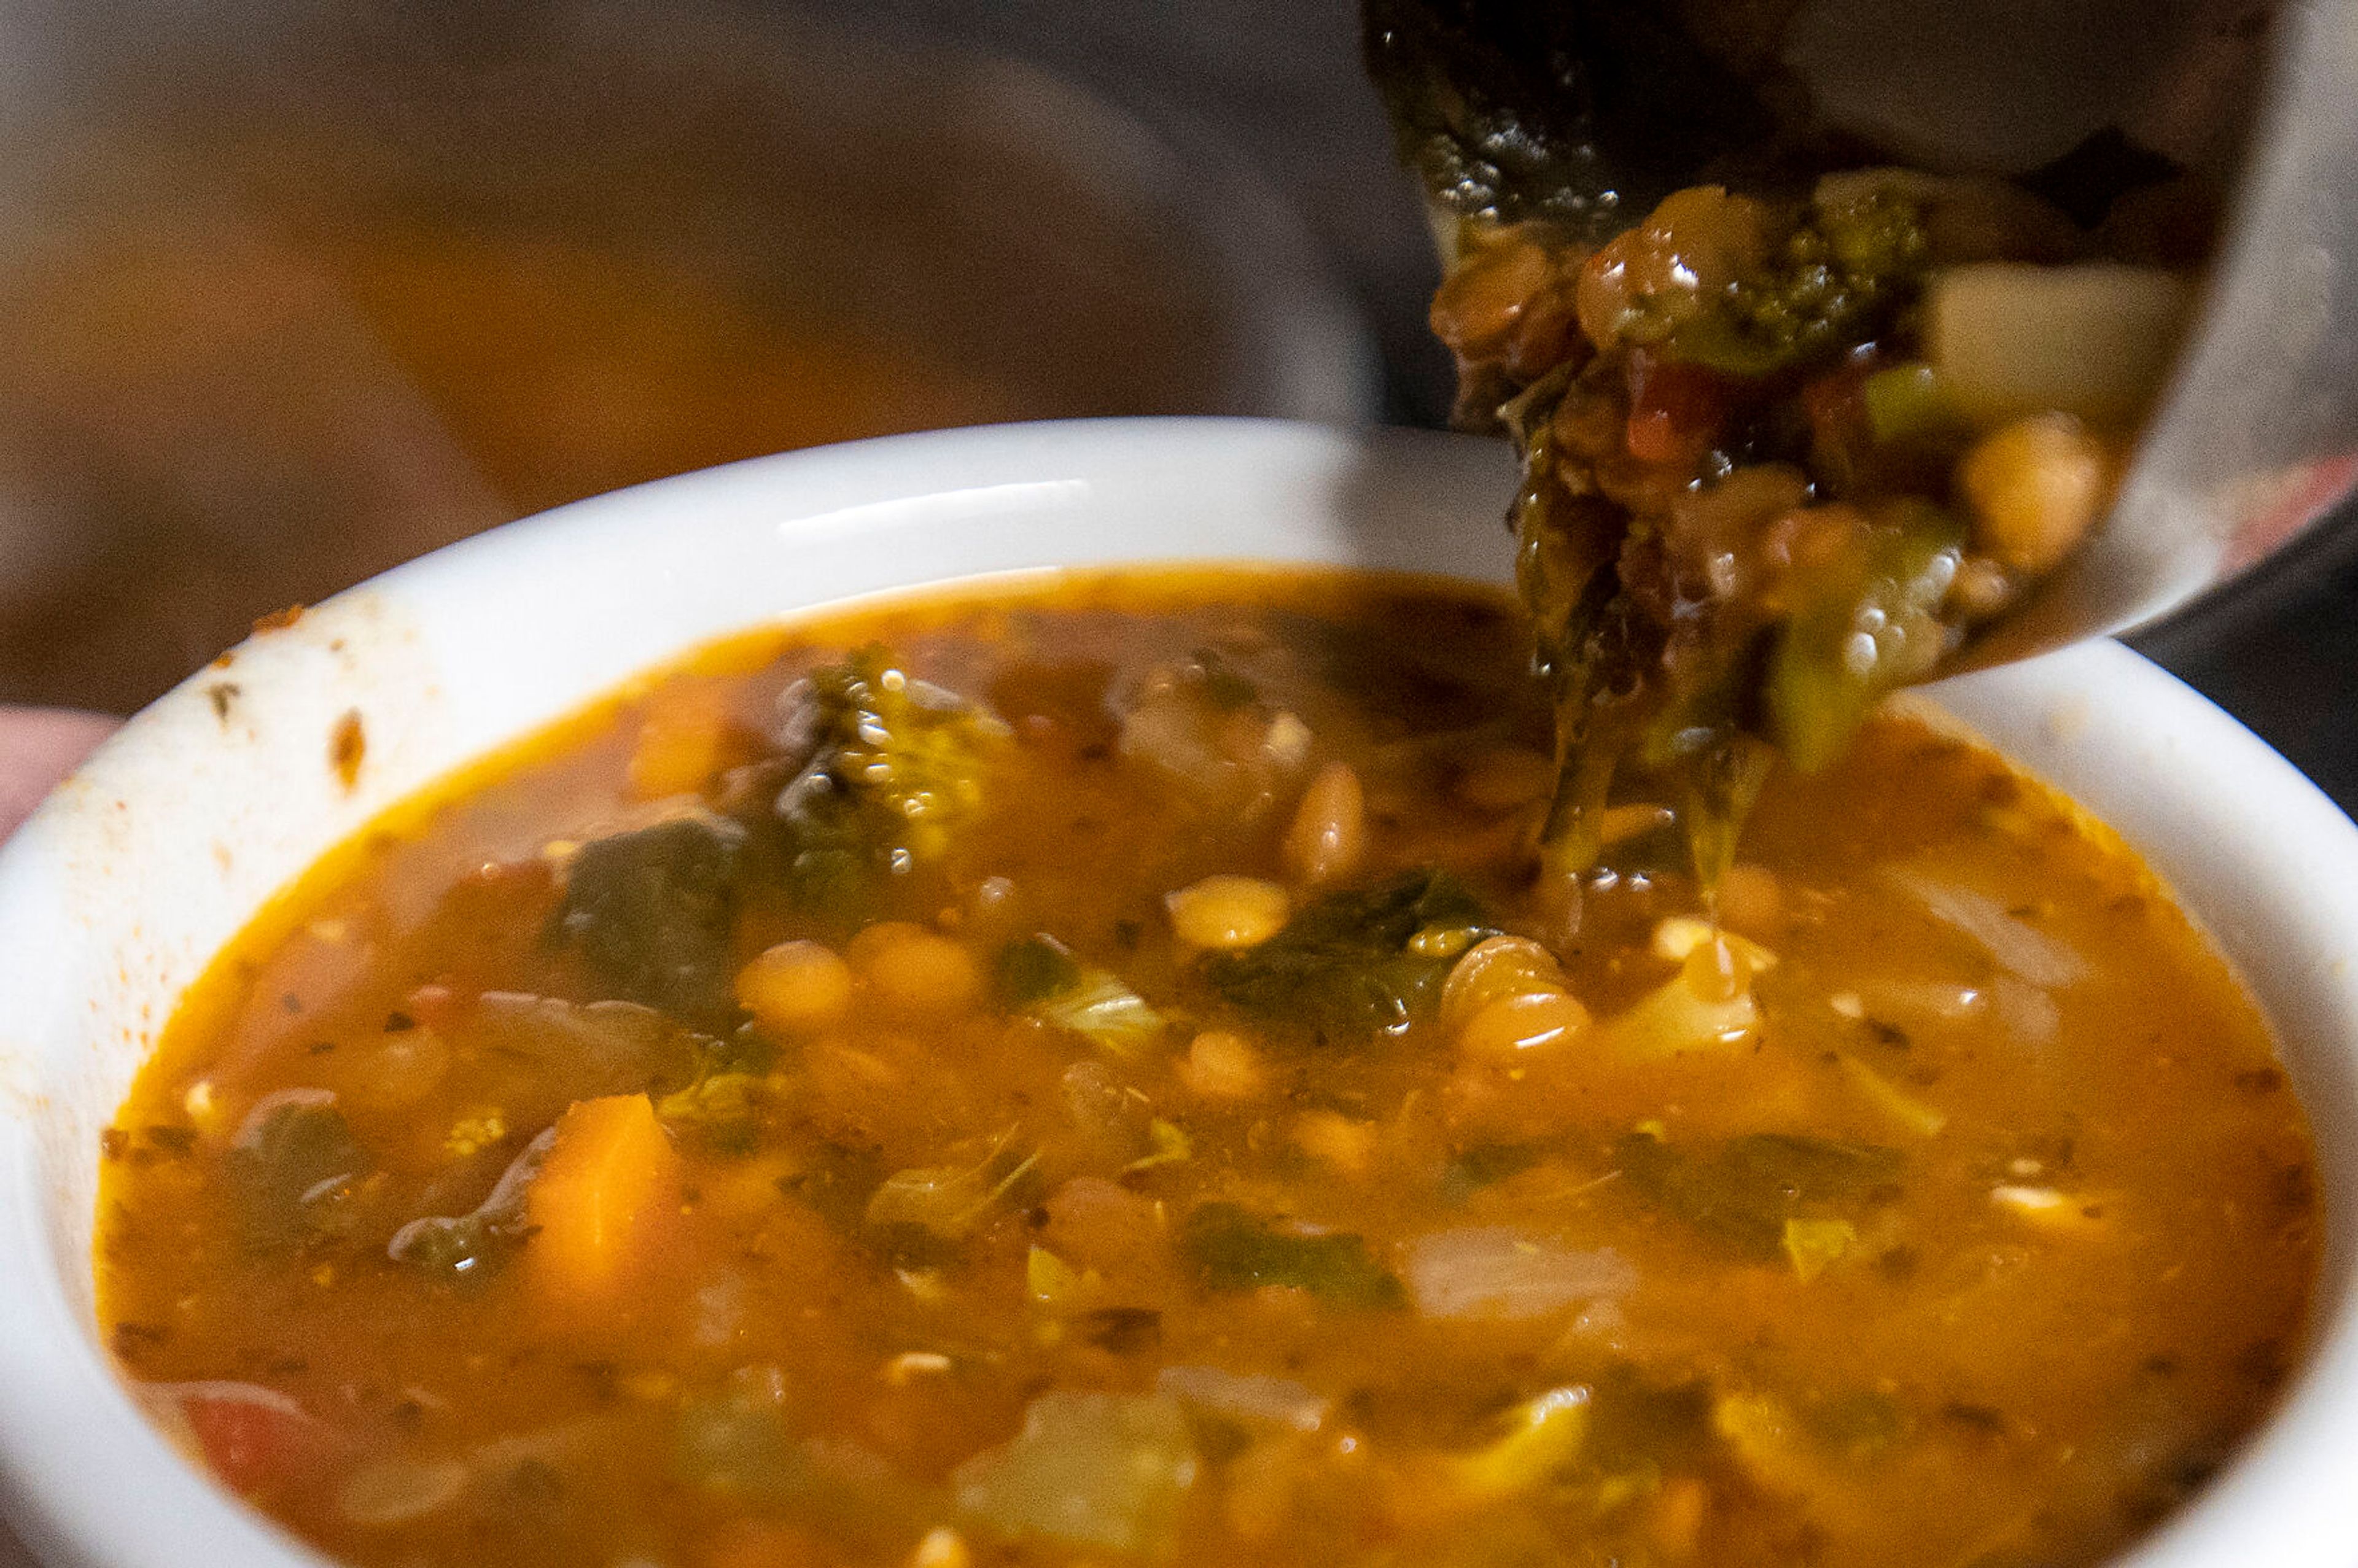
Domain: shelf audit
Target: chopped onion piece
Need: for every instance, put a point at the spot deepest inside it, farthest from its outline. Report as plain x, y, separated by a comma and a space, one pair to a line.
2016, 944
396, 1491
1248, 1396
1494, 1273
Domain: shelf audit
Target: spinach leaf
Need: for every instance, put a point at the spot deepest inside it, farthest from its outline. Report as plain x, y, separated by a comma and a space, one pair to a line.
651, 913
1741, 1193
1343, 969
1233, 1250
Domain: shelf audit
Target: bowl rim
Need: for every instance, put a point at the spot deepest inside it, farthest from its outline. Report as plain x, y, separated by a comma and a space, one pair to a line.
2262, 858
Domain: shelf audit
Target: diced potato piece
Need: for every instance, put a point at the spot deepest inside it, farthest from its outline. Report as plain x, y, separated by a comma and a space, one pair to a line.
2093, 340
1707, 1006
596, 1205
1679, 937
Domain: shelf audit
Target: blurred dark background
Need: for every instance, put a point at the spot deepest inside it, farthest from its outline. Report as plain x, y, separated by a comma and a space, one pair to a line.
293, 290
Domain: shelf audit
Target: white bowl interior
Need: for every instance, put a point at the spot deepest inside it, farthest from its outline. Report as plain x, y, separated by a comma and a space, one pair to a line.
119, 893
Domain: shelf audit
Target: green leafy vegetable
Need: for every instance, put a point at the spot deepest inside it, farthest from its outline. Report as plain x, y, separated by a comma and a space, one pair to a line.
1033, 969
1741, 1193
1482, 1164
1040, 976
722, 1110
1106, 1471
1343, 968
949, 1201
1233, 1250
290, 1170
651, 913
892, 766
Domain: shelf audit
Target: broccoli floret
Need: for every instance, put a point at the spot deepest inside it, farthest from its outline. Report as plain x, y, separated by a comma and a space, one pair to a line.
894, 766
1844, 271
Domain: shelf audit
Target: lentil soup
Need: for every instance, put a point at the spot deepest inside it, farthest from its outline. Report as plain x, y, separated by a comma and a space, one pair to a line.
1101, 1080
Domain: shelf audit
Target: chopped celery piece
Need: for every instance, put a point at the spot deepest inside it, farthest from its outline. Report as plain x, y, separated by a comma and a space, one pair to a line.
1171, 1147
1235, 1250
1813, 1244
949, 1201
1106, 1012
1895, 1102
1866, 637
1051, 1281
1545, 1434
1907, 402
1040, 976
1105, 1471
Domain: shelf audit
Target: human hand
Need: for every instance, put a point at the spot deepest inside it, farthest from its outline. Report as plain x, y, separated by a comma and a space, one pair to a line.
38, 746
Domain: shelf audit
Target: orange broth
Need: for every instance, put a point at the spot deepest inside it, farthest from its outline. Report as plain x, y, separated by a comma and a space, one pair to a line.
1172, 1127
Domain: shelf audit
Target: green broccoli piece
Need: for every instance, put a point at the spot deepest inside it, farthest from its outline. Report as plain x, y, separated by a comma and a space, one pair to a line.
1843, 273
1876, 628
893, 768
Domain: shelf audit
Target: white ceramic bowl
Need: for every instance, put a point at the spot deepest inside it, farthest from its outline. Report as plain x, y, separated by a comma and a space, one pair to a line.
118, 893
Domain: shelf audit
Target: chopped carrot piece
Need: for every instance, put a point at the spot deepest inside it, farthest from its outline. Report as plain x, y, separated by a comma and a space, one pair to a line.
597, 1205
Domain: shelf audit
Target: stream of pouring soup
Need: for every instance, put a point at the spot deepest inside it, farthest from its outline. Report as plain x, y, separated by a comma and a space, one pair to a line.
1075, 1129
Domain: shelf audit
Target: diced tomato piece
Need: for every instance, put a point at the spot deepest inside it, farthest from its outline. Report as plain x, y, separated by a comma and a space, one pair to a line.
1676, 410
252, 1442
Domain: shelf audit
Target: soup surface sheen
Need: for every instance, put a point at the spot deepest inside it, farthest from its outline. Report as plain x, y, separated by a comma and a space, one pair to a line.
1136, 1109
